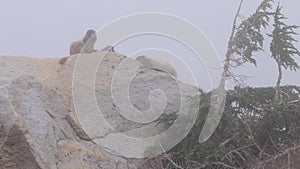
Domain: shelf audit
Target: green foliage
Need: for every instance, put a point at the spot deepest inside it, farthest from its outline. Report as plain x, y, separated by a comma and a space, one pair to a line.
254, 126
248, 38
282, 46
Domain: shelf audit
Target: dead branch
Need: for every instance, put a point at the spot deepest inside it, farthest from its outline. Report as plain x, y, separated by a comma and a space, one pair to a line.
230, 46
229, 139
250, 132
172, 162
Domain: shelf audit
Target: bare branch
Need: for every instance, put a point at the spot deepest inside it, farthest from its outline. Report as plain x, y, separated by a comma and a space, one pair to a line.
248, 128
230, 45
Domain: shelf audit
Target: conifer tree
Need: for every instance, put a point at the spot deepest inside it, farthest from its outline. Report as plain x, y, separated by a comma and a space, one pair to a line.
282, 48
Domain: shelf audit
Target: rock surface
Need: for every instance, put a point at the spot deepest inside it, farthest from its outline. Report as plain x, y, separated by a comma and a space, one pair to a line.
39, 128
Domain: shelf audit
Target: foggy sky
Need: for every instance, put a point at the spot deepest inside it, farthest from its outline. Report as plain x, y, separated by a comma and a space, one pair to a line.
46, 28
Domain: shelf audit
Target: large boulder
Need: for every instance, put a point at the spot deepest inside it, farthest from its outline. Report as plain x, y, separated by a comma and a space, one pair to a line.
40, 126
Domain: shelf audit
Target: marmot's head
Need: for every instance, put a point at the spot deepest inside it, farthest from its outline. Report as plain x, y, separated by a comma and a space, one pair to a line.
89, 34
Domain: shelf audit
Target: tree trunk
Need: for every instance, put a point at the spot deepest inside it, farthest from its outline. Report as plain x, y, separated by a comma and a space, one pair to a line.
278, 81
230, 52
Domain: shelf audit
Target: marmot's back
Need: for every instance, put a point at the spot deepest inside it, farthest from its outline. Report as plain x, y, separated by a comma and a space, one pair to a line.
76, 47
153, 63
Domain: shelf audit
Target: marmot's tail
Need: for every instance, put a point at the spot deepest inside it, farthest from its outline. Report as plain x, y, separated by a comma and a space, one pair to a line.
63, 60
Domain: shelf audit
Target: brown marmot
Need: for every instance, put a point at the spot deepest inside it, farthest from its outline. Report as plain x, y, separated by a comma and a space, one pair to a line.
153, 63
83, 45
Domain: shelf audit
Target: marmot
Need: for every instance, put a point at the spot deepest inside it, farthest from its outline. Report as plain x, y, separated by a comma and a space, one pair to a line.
153, 63
83, 45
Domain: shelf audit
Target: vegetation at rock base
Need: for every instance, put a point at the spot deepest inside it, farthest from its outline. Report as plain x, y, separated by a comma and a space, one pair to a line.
254, 128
